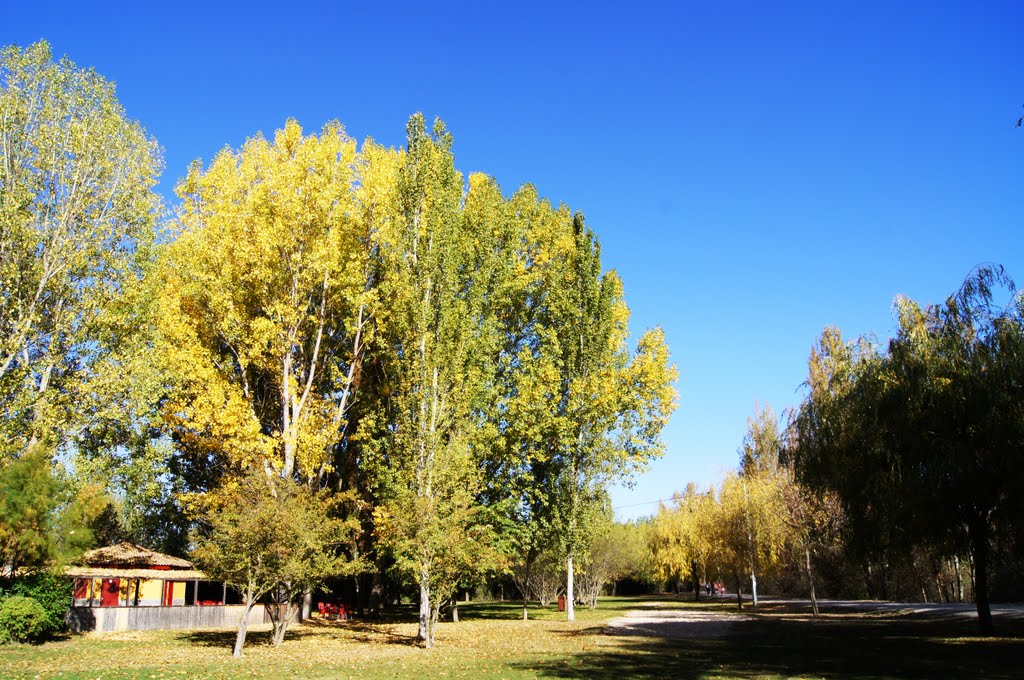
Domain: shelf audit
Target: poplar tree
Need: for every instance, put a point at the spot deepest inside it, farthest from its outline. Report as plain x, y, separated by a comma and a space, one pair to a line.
77, 213
762, 481
437, 271
609, 406
263, 302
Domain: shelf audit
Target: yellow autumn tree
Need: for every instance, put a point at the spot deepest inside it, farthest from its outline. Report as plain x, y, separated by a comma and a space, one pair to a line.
264, 302
752, 536
681, 538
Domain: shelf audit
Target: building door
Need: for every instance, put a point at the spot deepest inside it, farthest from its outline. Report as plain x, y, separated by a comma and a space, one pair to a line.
111, 592
82, 594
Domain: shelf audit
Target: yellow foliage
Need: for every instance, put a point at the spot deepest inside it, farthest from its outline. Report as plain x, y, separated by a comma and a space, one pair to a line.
262, 294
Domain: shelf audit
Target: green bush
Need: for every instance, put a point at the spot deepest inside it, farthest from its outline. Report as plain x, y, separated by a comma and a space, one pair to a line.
53, 591
22, 619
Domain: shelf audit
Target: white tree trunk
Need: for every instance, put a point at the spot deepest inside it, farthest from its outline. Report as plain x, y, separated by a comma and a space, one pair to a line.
570, 594
750, 539
424, 629
307, 605
285, 614
243, 623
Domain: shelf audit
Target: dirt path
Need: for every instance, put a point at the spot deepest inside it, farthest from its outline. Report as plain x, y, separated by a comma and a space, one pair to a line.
655, 621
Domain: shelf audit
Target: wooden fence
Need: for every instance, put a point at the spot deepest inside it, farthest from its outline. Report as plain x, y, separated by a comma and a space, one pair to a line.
110, 619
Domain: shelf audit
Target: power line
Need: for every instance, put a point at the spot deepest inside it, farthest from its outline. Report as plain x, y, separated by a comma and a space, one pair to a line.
636, 505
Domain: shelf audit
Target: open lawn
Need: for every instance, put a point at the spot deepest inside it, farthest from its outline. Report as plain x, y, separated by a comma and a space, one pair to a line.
780, 640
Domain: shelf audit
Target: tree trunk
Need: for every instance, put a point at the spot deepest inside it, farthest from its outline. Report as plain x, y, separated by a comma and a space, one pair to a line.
979, 549
570, 594
243, 623
455, 609
696, 581
307, 604
810, 580
376, 597
970, 570
424, 629
739, 593
750, 543
959, 581
435, 614
281, 616
885, 577
526, 588
358, 594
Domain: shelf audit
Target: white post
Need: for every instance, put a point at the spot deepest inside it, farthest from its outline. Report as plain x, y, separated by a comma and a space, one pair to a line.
570, 595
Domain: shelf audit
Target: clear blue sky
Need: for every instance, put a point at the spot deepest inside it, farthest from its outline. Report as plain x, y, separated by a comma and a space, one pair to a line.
755, 170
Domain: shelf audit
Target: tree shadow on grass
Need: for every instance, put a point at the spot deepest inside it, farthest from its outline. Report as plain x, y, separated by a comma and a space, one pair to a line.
363, 631
225, 638
875, 648
357, 631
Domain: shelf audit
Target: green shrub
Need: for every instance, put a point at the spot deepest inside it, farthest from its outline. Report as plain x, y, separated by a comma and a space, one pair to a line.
53, 591
22, 619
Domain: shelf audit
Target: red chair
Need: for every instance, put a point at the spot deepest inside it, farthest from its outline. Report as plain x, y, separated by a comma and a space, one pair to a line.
342, 614
322, 609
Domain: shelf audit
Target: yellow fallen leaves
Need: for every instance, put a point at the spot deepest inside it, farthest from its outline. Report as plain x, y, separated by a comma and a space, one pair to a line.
476, 648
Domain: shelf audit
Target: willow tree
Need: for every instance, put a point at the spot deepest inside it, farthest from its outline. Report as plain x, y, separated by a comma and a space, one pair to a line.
922, 443
752, 534
816, 521
682, 538
955, 416
77, 211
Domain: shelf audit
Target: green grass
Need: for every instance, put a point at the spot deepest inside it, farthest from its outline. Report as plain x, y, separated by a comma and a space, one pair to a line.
492, 642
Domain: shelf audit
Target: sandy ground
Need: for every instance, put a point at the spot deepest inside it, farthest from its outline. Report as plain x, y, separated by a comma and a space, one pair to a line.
681, 623
675, 623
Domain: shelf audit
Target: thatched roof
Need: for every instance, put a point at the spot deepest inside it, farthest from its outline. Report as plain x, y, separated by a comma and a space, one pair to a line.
129, 555
114, 572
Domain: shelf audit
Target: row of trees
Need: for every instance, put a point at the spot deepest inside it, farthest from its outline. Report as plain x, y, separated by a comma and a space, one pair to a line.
922, 440
442, 370
900, 473
758, 522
